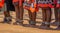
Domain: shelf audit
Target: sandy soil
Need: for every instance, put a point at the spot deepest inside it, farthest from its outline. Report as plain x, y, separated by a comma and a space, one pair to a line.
10, 28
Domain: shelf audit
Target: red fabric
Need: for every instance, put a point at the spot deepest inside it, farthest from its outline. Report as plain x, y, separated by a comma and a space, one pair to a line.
32, 0
57, 5
35, 9
15, 1
25, 7
55, 1
1, 3
51, 6
45, 5
21, 2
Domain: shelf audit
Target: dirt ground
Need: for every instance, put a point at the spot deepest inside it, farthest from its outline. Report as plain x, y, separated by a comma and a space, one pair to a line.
10, 28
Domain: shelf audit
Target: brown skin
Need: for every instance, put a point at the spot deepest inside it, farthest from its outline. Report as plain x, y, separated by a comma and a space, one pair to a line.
57, 16
56, 13
7, 17
32, 16
46, 12
19, 12
6, 13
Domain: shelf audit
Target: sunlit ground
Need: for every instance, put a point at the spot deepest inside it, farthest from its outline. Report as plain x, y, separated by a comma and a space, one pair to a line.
10, 28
